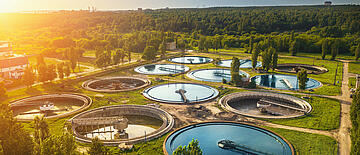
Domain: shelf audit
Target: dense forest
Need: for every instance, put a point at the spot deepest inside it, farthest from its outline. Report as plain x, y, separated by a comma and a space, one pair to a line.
236, 21
305, 27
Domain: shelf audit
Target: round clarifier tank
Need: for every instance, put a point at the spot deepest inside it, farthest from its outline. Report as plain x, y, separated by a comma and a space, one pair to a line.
244, 63
214, 75
282, 81
228, 138
181, 93
49, 106
191, 60
162, 69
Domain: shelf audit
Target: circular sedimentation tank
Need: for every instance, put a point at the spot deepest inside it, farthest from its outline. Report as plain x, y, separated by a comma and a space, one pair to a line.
49, 105
162, 69
115, 84
228, 138
293, 68
282, 81
180, 93
265, 105
118, 124
244, 63
191, 60
214, 75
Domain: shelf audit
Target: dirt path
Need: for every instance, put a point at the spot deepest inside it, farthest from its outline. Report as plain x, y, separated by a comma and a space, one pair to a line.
345, 123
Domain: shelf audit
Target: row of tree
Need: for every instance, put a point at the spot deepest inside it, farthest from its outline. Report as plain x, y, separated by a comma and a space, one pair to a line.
355, 120
46, 73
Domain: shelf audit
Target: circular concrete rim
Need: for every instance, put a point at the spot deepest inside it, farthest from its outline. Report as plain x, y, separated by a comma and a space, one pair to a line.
320, 85
136, 69
258, 62
189, 74
181, 103
320, 68
168, 123
211, 60
217, 121
86, 84
87, 103
223, 102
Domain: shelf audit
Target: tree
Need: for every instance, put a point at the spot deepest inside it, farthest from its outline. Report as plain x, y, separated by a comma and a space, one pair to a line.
67, 71
14, 139
294, 47
42, 72
73, 54
60, 70
357, 53
149, 53
274, 60
1, 149
29, 76
97, 147
117, 56
334, 49
235, 77
255, 55
181, 45
129, 56
266, 59
40, 60
193, 148
355, 120
302, 78
251, 44
207, 44
2, 89
292, 36
59, 145
101, 61
162, 49
51, 72
202, 43
41, 128
324, 48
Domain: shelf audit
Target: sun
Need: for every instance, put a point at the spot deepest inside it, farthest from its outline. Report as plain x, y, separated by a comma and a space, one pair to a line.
6, 5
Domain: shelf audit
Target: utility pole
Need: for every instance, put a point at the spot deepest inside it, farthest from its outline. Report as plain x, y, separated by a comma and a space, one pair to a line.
337, 65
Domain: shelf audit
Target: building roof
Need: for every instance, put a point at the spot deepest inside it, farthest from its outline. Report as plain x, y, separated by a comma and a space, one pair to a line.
5, 46
11, 62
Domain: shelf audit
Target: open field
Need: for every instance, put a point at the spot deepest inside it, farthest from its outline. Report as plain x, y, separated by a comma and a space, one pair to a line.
354, 67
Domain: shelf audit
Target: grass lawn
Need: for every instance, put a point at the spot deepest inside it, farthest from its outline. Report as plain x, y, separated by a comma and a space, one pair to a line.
352, 82
325, 116
318, 55
354, 67
308, 143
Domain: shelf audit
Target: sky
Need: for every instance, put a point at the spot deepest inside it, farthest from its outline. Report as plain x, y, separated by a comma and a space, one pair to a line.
29, 5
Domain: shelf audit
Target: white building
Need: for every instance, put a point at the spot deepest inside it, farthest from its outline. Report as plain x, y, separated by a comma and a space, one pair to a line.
5, 48
11, 66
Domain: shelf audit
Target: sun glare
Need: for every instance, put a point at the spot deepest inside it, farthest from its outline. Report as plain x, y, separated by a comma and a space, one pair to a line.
6, 6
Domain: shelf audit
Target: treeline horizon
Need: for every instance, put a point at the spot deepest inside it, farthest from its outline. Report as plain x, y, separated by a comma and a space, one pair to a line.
281, 25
